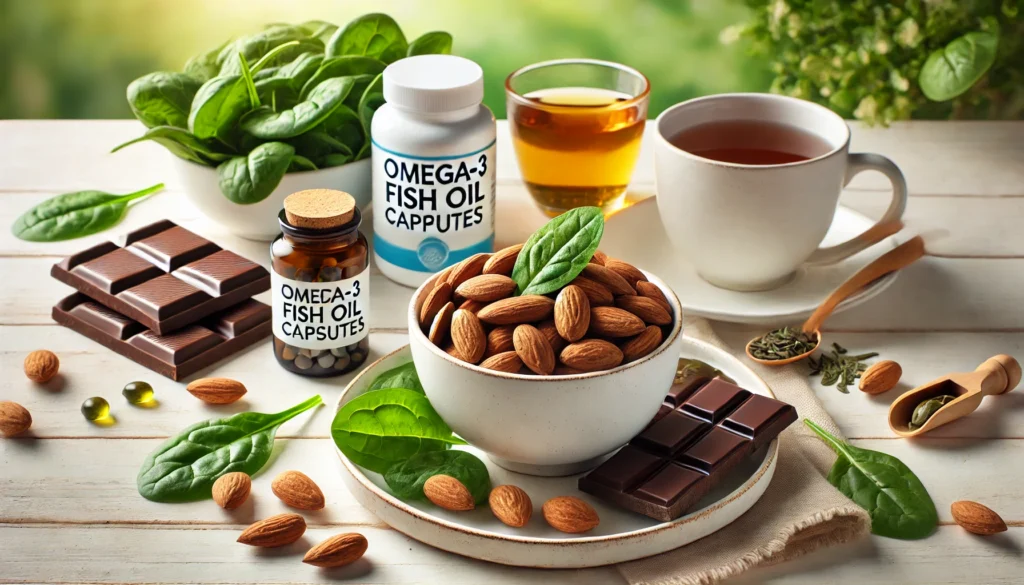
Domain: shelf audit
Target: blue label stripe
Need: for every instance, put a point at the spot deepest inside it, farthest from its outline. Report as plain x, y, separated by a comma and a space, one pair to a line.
414, 157
410, 260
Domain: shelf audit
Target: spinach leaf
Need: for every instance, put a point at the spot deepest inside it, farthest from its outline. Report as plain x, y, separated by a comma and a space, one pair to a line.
335, 159
372, 99
431, 43
372, 35
252, 178
181, 143
953, 69
898, 503
185, 466
344, 126
558, 251
342, 67
319, 29
406, 479
359, 85
268, 124
299, 71
256, 47
382, 427
317, 144
75, 215
162, 98
301, 163
404, 376
205, 66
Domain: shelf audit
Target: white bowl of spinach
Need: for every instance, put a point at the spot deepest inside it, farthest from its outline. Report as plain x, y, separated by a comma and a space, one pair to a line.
264, 115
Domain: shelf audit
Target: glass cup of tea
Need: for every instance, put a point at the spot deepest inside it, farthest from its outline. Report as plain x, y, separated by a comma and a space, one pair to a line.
576, 127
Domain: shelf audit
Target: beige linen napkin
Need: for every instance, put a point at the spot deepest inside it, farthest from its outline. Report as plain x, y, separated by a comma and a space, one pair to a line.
799, 512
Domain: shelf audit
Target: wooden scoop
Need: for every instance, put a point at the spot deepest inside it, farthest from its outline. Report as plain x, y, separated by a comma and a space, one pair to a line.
896, 259
998, 375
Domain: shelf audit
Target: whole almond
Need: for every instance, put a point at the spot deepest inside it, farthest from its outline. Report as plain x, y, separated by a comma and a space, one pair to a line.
598, 258
561, 370
472, 306
444, 491
297, 490
41, 366
14, 418
442, 324
614, 322
976, 518
550, 332
651, 291
450, 350
216, 390
597, 293
511, 505
591, 355
642, 344
231, 490
468, 268
278, 530
442, 277
611, 280
517, 310
572, 313
570, 514
533, 348
468, 336
506, 361
487, 287
499, 340
503, 261
881, 377
437, 298
648, 310
626, 270
337, 551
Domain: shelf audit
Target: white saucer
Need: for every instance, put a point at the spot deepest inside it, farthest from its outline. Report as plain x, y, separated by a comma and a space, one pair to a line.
636, 235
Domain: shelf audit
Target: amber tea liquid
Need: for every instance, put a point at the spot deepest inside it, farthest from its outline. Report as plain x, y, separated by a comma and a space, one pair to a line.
577, 146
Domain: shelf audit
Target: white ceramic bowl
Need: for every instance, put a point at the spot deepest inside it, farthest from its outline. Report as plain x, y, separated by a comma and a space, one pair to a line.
545, 425
259, 220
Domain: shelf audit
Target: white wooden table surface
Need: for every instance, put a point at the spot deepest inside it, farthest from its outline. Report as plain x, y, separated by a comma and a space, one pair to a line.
70, 513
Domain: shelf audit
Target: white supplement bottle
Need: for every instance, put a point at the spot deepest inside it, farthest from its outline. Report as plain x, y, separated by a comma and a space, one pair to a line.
433, 168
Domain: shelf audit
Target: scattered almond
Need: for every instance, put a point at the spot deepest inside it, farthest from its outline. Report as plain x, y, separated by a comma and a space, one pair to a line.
611, 280
297, 490
550, 332
41, 366
572, 313
337, 551
517, 310
216, 390
437, 298
503, 261
651, 291
468, 336
442, 324
278, 530
614, 322
591, 355
511, 505
231, 490
533, 348
647, 309
597, 293
599, 257
881, 377
625, 270
14, 418
976, 518
570, 514
487, 287
499, 340
506, 361
468, 268
642, 344
444, 491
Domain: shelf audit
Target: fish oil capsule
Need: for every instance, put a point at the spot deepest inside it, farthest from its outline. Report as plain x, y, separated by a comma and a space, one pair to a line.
138, 392
95, 408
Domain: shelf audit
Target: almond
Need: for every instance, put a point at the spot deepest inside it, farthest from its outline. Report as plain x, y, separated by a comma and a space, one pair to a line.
297, 490
506, 361
648, 310
517, 310
881, 377
216, 390
626, 270
231, 490
642, 344
449, 493
598, 258
442, 324
570, 514
14, 418
487, 287
337, 551
651, 291
442, 277
467, 269
611, 280
450, 350
41, 366
597, 293
533, 348
561, 370
500, 340
437, 298
976, 518
511, 505
277, 530
572, 313
591, 355
614, 322
472, 306
468, 336
503, 261
550, 332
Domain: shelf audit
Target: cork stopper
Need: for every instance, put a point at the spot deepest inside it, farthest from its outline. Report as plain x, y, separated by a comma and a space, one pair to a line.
319, 209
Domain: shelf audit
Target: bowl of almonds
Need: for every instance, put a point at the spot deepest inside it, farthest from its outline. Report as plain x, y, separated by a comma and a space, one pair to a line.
547, 355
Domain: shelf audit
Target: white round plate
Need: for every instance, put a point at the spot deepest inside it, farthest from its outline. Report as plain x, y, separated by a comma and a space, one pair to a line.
636, 235
621, 535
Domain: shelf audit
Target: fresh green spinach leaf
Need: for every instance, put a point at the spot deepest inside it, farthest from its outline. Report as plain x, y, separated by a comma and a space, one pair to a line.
182, 143
299, 71
184, 467
406, 479
431, 43
268, 124
256, 47
557, 252
372, 35
301, 163
252, 178
335, 159
75, 215
344, 126
162, 98
373, 98
953, 69
342, 67
319, 29
403, 376
205, 66
898, 503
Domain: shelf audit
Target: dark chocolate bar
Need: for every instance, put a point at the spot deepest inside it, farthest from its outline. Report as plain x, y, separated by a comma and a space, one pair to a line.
163, 276
688, 448
175, 355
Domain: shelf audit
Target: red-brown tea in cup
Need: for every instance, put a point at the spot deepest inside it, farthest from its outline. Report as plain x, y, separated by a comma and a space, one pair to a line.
751, 142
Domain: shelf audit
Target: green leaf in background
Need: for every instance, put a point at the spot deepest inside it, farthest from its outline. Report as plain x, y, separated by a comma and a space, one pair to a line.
75, 215
371, 35
406, 479
163, 98
359, 85
184, 467
342, 67
344, 126
319, 29
372, 99
204, 66
382, 427
952, 70
252, 178
404, 376
898, 503
557, 252
324, 99
182, 144
431, 43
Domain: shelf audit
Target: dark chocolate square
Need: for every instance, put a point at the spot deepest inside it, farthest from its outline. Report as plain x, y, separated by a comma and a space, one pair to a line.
180, 346
626, 469
715, 400
671, 434
680, 391
669, 484
173, 248
117, 271
163, 296
220, 272
715, 449
113, 324
237, 320
754, 415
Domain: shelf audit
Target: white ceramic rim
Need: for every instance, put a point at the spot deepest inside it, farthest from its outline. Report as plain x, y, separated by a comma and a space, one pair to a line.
766, 466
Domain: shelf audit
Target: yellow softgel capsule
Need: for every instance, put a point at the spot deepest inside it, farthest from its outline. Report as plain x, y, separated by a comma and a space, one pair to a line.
138, 392
95, 408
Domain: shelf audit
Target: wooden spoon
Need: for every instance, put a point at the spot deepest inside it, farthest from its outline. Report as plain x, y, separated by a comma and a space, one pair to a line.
998, 375
896, 259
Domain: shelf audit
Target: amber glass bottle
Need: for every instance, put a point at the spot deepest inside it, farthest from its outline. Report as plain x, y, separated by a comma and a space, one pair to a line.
320, 285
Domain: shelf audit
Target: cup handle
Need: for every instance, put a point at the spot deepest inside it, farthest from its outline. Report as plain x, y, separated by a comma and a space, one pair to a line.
885, 227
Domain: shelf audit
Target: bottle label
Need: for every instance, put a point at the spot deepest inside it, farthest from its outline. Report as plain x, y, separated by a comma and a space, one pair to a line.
431, 212
320, 315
